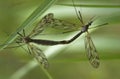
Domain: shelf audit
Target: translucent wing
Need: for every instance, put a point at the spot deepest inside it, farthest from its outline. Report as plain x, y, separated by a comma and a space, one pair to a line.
91, 51
64, 25
38, 54
46, 20
52, 22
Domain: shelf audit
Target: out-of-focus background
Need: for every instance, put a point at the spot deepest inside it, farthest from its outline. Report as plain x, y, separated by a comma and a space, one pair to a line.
69, 62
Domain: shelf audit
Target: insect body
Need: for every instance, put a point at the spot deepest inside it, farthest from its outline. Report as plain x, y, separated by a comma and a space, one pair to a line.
90, 48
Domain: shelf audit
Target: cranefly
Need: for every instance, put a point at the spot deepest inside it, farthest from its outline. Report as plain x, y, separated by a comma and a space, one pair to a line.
49, 20
89, 45
46, 20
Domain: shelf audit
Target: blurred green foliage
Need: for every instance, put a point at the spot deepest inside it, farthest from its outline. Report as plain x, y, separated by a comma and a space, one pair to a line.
70, 62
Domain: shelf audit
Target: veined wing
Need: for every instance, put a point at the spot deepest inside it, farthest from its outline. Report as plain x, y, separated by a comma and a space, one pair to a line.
64, 25
52, 22
46, 20
91, 51
38, 54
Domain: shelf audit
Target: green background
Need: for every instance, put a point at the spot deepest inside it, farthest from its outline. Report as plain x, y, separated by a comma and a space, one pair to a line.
66, 61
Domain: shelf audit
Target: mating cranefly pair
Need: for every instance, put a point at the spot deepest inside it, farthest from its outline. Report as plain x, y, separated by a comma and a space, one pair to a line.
49, 20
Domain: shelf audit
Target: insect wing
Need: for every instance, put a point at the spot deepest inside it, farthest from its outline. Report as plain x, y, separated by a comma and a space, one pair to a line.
63, 25
46, 20
53, 23
91, 51
38, 54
